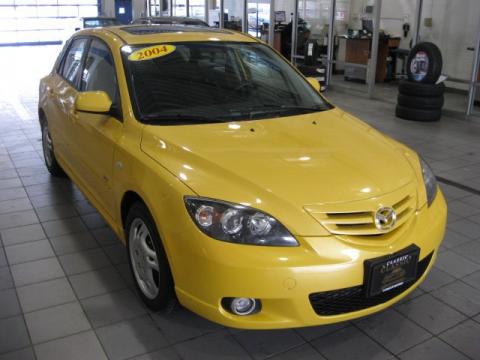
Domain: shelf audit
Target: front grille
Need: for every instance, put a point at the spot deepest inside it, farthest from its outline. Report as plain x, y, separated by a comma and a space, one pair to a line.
353, 299
362, 222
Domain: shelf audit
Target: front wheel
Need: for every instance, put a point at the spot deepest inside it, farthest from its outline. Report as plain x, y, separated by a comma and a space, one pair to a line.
148, 261
48, 154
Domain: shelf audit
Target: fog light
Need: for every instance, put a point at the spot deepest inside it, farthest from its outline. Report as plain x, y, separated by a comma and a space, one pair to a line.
241, 306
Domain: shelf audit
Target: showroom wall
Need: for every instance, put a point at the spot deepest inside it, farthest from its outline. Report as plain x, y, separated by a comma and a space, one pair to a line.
451, 25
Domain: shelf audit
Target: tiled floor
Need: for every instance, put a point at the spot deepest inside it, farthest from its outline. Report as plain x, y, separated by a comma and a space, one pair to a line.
65, 289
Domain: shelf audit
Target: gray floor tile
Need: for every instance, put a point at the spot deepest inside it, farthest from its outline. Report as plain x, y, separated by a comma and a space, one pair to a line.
94, 221
97, 282
460, 296
473, 279
455, 265
56, 212
13, 193
10, 183
303, 352
453, 239
436, 278
113, 307
54, 322
464, 337
15, 205
29, 251
431, 314
23, 354
35, 271
84, 261
22, 234
63, 227
434, 349
350, 344
466, 227
130, 338
470, 250
3, 257
117, 253
71, 243
45, 294
50, 200
105, 236
314, 332
213, 346
6, 280
394, 331
84, 207
16, 219
83, 346
261, 344
163, 354
8, 303
13, 334
181, 325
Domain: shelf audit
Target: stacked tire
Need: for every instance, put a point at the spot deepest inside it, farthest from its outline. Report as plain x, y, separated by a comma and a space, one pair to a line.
420, 98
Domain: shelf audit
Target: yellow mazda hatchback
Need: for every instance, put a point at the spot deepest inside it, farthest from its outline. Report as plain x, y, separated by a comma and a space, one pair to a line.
237, 188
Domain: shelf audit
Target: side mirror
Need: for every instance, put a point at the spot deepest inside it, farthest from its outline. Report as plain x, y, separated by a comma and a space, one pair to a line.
314, 82
97, 102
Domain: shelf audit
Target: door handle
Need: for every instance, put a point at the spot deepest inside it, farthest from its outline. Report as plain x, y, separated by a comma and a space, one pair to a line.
470, 48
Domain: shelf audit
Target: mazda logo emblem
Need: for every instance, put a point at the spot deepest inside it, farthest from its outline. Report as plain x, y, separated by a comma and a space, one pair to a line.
385, 218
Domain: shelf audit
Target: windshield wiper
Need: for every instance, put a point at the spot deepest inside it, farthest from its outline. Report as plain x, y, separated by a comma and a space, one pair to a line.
179, 118
265, 109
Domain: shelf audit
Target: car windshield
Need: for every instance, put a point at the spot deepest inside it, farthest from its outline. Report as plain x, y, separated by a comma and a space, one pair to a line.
213, 82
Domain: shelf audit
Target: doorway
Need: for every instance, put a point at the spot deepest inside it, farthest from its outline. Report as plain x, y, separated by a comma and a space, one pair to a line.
123, 11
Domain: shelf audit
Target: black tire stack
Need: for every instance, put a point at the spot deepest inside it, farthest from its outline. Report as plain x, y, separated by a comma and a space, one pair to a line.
419, 98
317, 71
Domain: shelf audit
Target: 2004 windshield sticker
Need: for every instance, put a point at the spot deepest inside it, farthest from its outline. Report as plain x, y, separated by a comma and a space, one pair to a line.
151, 52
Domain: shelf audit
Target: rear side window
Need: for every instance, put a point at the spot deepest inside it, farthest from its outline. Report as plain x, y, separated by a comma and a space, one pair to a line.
73, 60
99, 71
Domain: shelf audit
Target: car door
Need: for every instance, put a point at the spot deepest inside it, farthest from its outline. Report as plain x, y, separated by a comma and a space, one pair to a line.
61, 91
94, 136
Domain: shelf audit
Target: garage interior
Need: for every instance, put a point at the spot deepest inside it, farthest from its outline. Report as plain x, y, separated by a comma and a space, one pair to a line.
66, 291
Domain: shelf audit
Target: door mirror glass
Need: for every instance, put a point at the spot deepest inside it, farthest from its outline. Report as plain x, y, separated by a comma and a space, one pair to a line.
314, 82
93, 102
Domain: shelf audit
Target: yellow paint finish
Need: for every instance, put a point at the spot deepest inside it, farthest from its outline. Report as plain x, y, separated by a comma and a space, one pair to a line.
294, 168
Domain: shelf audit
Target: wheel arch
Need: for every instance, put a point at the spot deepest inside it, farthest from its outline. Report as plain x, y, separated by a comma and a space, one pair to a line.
128, 199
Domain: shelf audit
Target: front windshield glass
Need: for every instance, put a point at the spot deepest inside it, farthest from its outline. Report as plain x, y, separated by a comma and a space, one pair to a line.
213, 82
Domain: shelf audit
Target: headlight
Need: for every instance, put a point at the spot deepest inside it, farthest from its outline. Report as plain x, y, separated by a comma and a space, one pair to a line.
430, 182
237, 223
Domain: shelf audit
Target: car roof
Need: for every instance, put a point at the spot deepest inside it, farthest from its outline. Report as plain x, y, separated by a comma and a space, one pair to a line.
151, 34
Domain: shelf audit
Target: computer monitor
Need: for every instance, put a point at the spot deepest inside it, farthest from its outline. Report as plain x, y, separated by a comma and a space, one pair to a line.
367, 25
280, 16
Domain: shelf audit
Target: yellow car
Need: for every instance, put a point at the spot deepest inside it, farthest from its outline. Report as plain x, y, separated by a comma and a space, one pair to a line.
237, 188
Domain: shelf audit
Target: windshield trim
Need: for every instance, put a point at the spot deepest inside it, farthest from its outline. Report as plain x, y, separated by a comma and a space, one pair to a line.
135, 104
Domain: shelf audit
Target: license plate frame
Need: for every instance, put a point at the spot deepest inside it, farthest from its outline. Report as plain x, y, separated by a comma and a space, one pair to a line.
391, 271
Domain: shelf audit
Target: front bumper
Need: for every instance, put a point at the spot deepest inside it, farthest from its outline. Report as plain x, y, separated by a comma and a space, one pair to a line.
284, 279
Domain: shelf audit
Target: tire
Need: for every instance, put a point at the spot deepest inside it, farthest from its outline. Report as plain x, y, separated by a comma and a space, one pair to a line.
48, 153
424, 63
155, 287
417, 102
410, 88
418, 114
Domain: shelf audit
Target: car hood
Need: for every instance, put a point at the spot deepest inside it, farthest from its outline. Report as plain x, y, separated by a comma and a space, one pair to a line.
281, 165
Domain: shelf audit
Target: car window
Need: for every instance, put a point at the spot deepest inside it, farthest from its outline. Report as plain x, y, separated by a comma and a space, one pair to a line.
90, 23
99, 71
73, 59
215, 81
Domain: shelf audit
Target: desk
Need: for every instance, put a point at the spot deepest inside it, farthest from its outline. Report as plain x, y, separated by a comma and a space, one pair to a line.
358, 52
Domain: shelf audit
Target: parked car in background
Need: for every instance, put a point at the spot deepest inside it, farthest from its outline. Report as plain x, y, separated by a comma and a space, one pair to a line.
234, 183
170, 20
